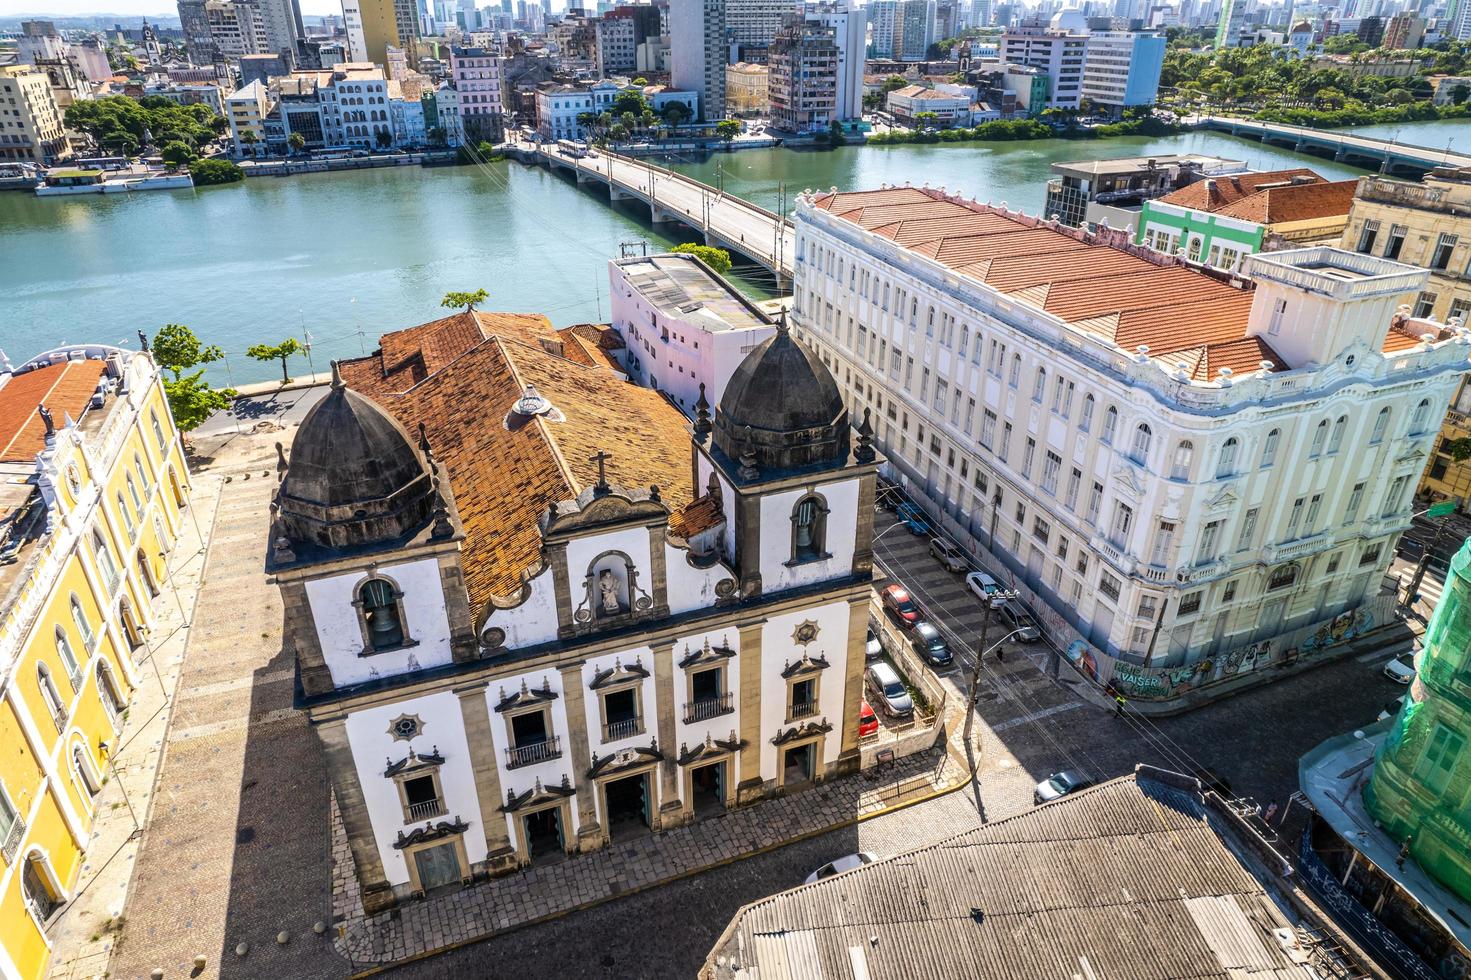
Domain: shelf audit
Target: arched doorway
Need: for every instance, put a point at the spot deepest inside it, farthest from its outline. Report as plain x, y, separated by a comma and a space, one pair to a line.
41, 888
108, 693
132, 631
146, 570
179, 498
88, 779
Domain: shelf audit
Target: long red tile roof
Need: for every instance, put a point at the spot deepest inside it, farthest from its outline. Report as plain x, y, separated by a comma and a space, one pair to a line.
64, 388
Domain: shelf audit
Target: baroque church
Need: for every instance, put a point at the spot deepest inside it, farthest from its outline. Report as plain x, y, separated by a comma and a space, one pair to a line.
534, 609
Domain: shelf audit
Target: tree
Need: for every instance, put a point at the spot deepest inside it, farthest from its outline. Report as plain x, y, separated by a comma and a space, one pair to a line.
192, 400
641, 81
177, 154
207, 172
927, 119
297, 142
716, 258
249, 139
676, 114
1460, 93
383, 138
629, 100
894, 82
277, 352
727, 130
176, 348
618, 132
437, 136
467, 300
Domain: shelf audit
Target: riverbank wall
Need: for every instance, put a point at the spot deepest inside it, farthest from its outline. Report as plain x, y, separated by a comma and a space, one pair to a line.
286, 168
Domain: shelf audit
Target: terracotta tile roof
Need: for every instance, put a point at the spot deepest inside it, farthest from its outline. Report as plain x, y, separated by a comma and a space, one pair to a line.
1214, 193
700, 514
592, 343
406, 357
1296, 202
504, 477
63, 388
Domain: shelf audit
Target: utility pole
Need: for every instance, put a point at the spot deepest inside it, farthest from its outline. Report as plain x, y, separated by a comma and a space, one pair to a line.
970, 714
1442, 510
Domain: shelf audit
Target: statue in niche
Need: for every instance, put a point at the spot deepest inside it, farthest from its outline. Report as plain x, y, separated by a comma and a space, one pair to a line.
608, 586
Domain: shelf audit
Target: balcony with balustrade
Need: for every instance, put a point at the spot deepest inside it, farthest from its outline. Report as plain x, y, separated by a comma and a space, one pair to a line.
534, 752
703, 709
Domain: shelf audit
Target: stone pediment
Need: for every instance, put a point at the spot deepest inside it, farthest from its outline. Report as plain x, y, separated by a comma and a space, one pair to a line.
619, 674
1223, 499
1126, 478
707, 655
537, 795
1414, 455
805, 666
526, 696
413, 762
804, 730
710, 747
625, 759
431, 832
600, 509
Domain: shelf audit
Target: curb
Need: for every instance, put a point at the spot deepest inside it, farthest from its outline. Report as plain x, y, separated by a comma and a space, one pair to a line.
259, 388
689, 873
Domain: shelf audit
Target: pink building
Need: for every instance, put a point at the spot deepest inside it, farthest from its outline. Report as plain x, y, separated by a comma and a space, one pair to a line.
477, 79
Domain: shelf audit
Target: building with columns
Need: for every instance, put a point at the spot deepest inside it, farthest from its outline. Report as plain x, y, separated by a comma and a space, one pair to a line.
93, 488
535, 610
1182, 468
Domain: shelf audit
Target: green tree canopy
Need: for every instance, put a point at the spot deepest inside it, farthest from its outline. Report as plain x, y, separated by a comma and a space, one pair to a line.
894, 82
629, 101
728, 130
297, 142
276, 352
467, 300
163, 121
192, 400
176, 348
206, 172
177, 153
676, 113
716, 258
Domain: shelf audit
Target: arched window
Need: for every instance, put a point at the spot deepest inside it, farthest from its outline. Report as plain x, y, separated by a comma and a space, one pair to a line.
122, 507
382, 614
1040, 386
1269, 448
39, 887
133, 493
1335, 441
1421, 418
1320, 436
158, 435
1014, 378
1139, 452
1226, 465
1184, 453
809, 529
108, 693
51, 696
1381, 426
1282, 576
142, 471
1085, 423
84, 626
145, 572
68, 658
82, 766
10, 822
1110, 425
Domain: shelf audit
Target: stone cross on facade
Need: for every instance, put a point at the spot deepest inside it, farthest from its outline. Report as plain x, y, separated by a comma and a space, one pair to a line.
601, 458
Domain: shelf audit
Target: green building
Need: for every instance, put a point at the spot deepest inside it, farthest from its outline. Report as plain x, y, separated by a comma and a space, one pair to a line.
1215, 239
1420, 790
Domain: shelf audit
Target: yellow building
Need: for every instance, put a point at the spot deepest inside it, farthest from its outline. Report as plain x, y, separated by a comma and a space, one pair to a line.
92, 488
31, 127
746, 91
1429, 225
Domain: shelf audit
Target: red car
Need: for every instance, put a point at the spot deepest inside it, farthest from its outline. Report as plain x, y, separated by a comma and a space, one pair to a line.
901, 605
868, 722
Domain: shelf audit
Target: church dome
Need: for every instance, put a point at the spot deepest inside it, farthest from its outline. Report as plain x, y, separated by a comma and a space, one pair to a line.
355, 477
782, 406
1071, 20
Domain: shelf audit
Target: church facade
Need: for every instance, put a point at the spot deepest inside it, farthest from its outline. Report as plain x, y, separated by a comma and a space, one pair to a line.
534, 611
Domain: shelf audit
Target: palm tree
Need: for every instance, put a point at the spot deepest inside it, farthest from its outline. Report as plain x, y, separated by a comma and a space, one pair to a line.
250, 139
296, 142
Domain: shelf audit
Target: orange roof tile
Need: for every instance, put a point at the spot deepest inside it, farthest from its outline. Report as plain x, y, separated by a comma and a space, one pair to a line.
64, 388
406, 357
700, 514
504, 477
592, 343
1213, 193
1295, 202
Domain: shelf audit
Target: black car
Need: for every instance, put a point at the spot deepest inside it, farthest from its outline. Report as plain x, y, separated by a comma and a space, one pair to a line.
928, 643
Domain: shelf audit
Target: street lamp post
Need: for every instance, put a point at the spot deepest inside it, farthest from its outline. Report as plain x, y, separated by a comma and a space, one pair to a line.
970, 707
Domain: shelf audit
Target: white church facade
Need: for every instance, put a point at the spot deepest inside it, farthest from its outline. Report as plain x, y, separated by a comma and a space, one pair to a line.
558, 614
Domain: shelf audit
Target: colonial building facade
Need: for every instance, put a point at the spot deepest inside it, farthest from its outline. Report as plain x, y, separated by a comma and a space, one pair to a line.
1178, 464
558, 614
93, 486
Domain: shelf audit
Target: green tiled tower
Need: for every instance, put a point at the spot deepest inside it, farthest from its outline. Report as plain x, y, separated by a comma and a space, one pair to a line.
1421, 784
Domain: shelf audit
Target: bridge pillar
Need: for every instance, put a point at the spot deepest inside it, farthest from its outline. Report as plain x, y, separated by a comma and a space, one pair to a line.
663, 216
1300, 145
617, 194
1384, 167
1338, 154
583, 177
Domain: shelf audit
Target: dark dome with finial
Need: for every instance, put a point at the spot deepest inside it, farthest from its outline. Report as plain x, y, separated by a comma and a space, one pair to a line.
354, 477
782, 409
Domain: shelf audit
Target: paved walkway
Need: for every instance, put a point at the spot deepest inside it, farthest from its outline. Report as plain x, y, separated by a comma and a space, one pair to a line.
457, 917
82, 938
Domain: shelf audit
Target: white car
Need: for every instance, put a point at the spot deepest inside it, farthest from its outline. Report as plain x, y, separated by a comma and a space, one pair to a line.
845, 863
1401, 669
985, 587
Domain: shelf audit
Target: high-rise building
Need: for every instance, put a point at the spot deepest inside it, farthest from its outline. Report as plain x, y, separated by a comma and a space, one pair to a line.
477, 78
882, 17
31, 127
914, 29
236, 28
372, 25
1059, 48
1404, 31
847, 23
750, 26
698, 52
1458, 18
803, 90
282, 22
198, 43
1122, 68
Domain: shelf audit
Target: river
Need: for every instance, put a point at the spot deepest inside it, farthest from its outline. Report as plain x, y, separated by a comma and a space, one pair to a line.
347, 256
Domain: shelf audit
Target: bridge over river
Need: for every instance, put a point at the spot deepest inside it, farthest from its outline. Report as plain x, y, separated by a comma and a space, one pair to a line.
1389, 155
723, 219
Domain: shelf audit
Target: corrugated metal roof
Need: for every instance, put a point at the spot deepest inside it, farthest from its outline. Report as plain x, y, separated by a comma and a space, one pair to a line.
1127, 881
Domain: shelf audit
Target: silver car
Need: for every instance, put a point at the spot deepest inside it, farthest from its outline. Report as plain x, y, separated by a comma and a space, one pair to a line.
1060, 784
888, 690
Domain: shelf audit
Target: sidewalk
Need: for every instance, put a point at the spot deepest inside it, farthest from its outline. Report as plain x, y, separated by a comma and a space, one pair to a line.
455, 918
83, 937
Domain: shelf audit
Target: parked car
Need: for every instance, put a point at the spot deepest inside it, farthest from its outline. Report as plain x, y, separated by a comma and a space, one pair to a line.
949, 555
930, 644
888, 691
985, 587
846, 863
1016, 618
1060, 784
1401, 669
901, 605
868, 722
1391, 708
874, 648
914, 519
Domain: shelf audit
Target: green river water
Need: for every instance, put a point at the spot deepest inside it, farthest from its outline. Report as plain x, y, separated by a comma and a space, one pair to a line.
348, 256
